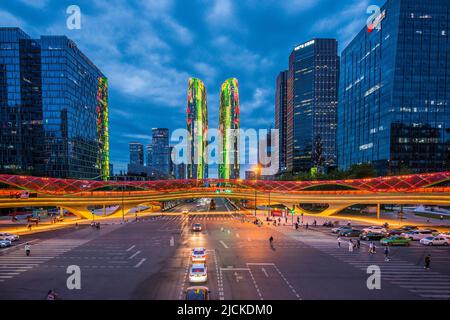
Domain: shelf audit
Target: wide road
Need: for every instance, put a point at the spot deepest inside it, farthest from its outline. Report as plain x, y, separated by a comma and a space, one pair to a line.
149, 259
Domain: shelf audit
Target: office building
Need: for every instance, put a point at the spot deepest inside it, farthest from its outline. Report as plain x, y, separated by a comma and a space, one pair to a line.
54, 108
281, 118
395, 90
311, 105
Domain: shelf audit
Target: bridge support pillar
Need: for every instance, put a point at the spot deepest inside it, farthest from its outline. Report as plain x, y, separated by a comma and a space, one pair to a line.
378, 211
104, 210
61, 212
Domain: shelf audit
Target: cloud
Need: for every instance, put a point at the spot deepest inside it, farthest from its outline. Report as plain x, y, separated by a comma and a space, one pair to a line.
8, 20
207, 72
346, 24
259, 99
220, 13
238, 57
40, 4
137, 136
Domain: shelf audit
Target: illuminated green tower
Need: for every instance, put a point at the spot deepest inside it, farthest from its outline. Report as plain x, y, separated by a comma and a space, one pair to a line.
197, 126
102, 128
229, 124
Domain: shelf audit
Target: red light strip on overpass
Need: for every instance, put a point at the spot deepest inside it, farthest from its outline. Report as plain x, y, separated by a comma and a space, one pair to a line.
55, 186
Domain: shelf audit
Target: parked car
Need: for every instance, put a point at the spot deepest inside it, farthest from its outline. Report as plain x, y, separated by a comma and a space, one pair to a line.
374, 229
350, 233
9, 236
409, 228
417, 234
435, 241
197, 293
371, 236
445, 235
395, 241
5, 243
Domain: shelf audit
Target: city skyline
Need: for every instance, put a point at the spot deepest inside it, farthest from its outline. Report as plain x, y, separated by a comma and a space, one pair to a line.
138, 94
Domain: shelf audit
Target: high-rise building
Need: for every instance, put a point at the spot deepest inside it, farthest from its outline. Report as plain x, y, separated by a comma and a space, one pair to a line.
197, 127
311, 105
136, 153
394, 95
281, 117
161, 152
21, 128
54, 108
149, 155
229, 124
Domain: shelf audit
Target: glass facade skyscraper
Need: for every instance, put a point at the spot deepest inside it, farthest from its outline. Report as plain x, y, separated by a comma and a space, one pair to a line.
136, 153
229, 125
161, 150
313, 77
395, 90
281, 117
21, 113
54, 107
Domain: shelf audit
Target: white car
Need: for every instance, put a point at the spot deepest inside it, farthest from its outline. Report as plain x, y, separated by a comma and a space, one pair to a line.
198, 273
198, 255
435, 241
185, 211
417, 234
374, 229
9, 236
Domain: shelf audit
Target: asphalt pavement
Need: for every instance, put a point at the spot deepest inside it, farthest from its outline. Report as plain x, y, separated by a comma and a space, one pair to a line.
150, 259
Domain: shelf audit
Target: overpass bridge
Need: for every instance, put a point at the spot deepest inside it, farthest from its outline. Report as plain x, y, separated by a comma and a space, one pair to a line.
77, 196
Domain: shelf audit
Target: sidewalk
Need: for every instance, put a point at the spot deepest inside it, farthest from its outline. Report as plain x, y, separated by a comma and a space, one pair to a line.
409, 219
20, 227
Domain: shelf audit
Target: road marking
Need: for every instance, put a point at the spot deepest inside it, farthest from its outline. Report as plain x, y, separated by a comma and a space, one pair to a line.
234, 269
237, 235
140, 263
249, 239
265, 272
224, 245
131, 248
134, 254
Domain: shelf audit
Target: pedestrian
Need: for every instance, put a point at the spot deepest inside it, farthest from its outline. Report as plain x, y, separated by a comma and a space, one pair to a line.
358, 243
386, 254
427, 262
279, 221
339, 241
296, 226
371, 247
350, 246
307, 226
29, 227
315, 223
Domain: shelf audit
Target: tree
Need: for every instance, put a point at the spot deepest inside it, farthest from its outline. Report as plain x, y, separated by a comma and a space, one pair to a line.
361, 171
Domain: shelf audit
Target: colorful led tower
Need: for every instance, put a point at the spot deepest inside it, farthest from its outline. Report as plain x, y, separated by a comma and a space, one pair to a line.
102, 128
197, 126
229, 123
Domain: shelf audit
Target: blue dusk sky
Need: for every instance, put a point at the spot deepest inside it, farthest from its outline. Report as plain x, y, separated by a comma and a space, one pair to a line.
149, 48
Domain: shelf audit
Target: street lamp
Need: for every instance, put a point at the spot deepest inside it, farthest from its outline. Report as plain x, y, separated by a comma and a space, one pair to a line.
256, 169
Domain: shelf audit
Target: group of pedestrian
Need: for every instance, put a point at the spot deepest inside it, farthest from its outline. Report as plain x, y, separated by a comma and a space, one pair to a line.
95, 225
